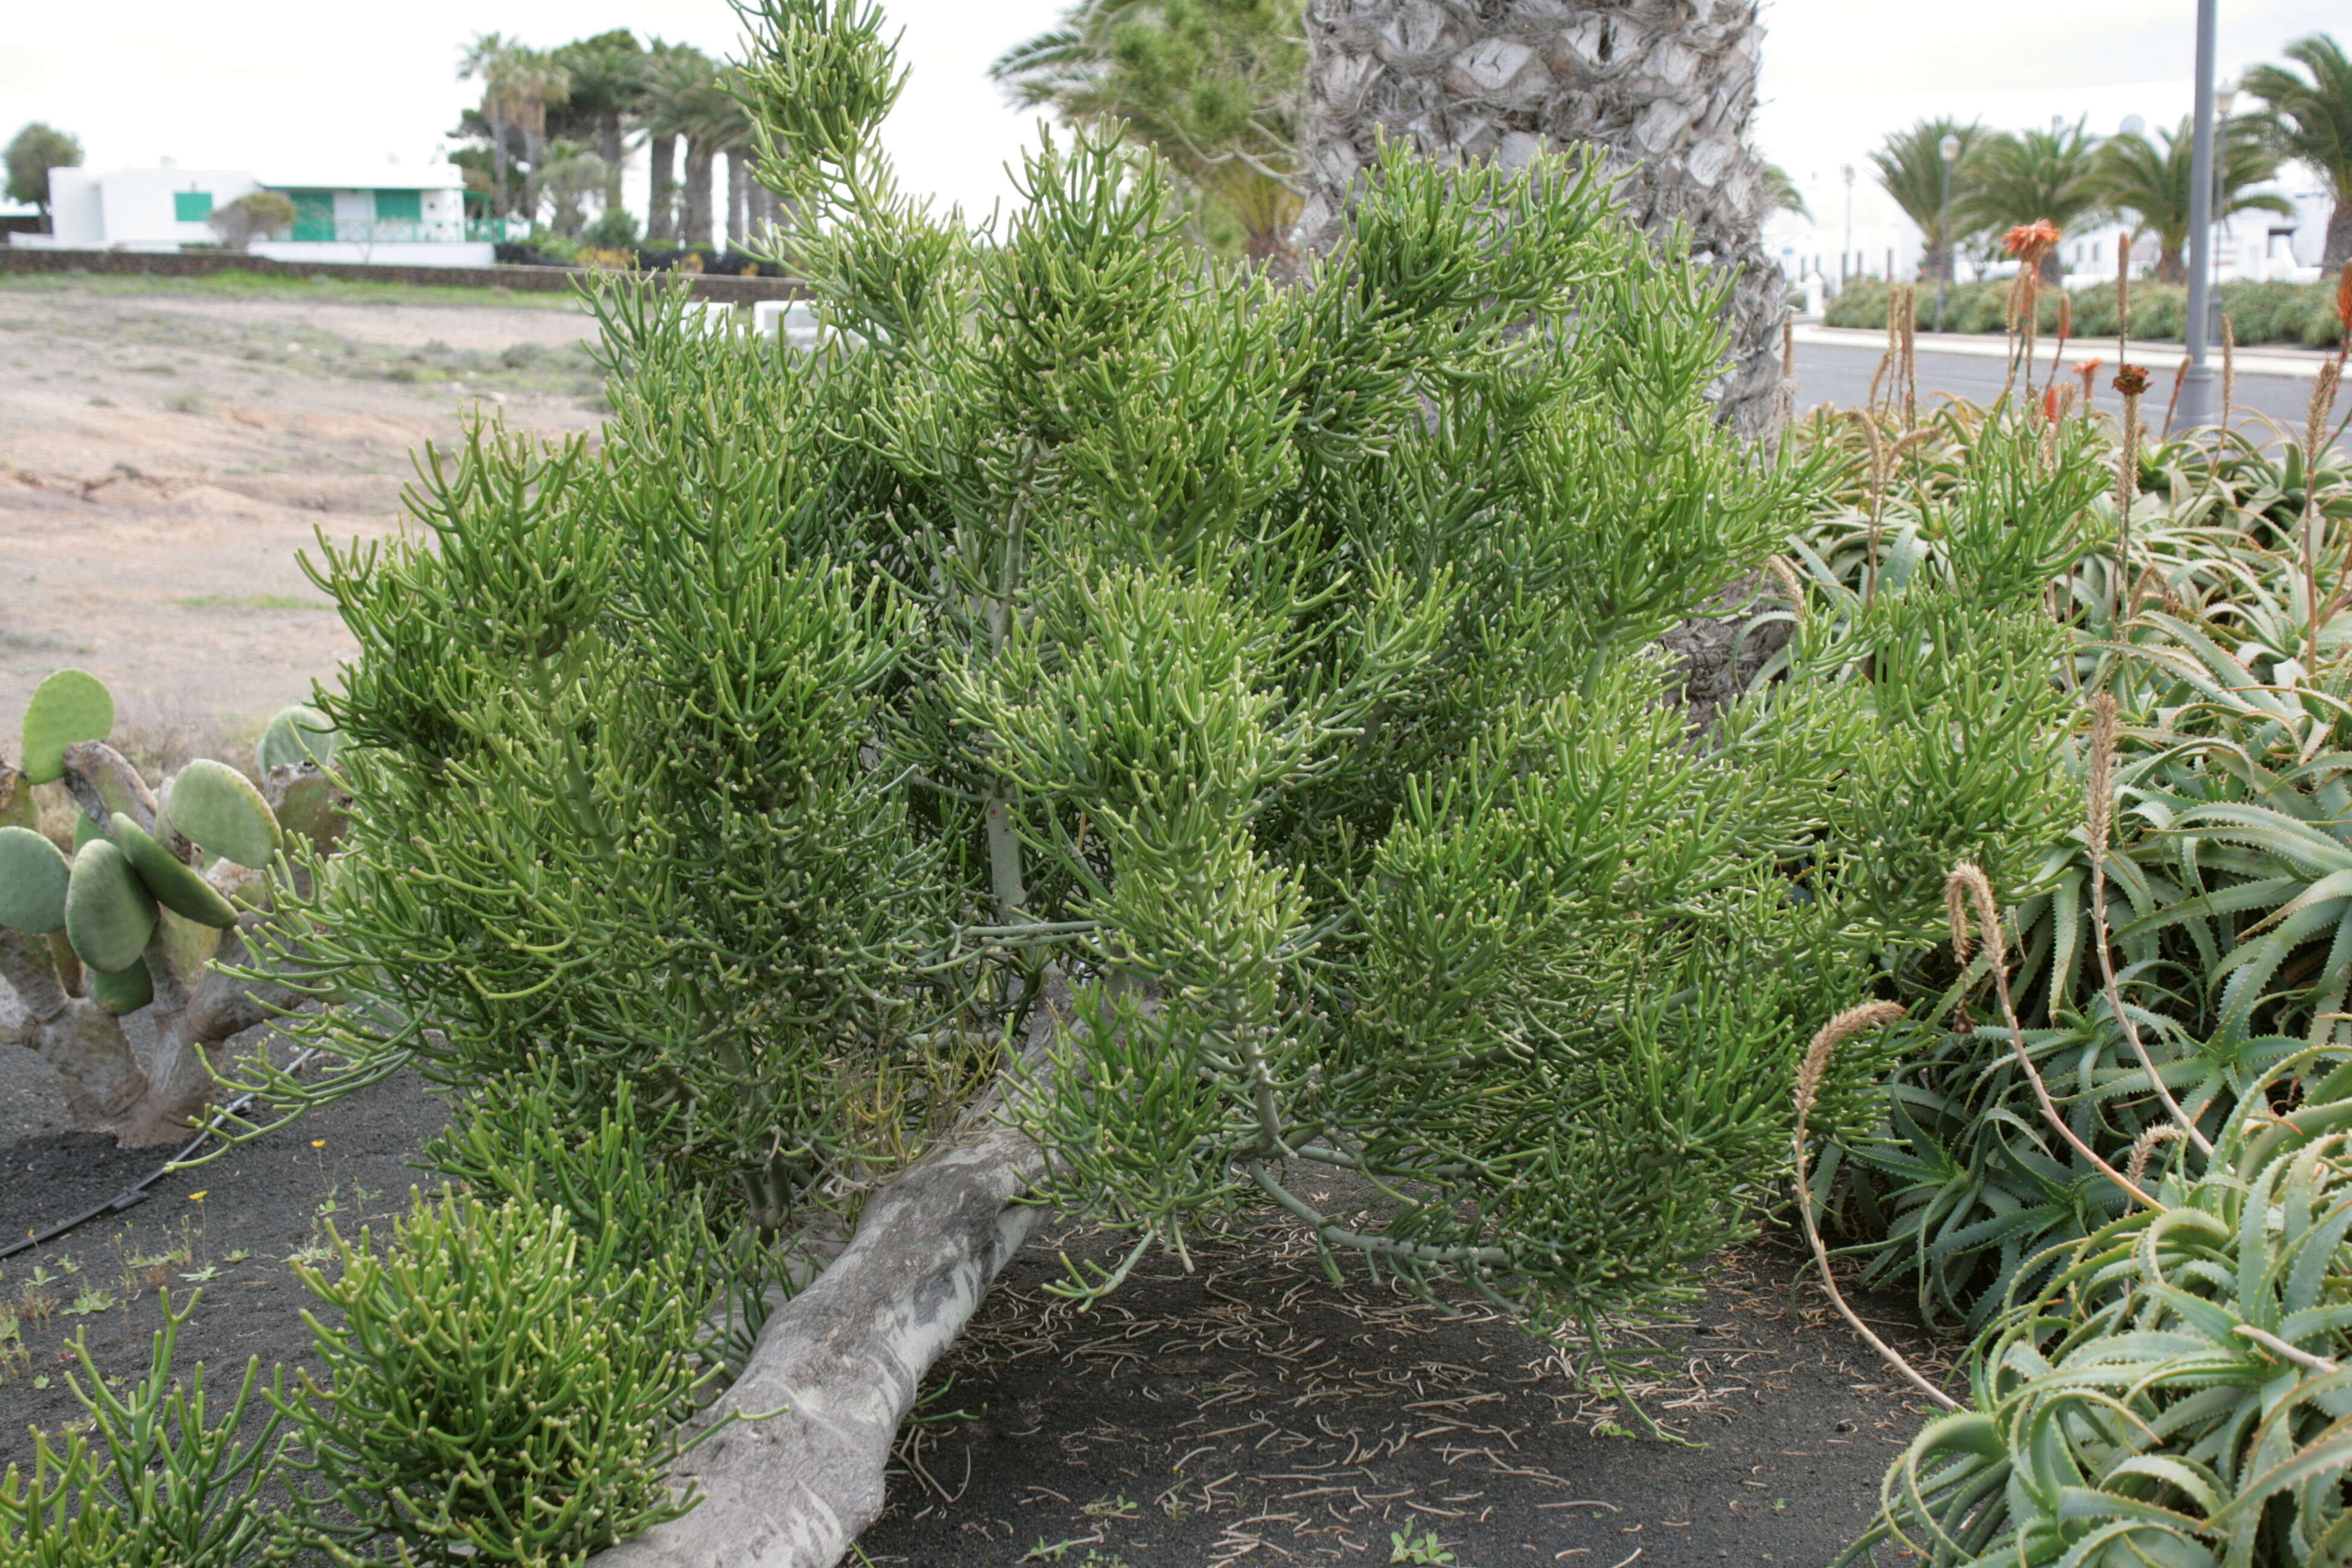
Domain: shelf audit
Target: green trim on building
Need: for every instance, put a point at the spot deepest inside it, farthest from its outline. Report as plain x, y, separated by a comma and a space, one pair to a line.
314, 214
399, 206
191, 206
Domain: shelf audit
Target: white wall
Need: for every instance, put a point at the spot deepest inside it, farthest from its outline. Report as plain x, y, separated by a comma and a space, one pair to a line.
388, 254
75, 215
136, 205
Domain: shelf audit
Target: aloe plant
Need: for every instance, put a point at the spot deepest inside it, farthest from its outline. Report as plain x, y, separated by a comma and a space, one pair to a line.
2177, 1391
152, 910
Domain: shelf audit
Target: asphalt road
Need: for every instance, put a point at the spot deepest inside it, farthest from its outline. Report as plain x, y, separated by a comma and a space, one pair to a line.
1840, 375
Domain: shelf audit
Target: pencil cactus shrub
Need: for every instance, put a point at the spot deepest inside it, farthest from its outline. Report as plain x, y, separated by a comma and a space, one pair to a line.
498, 1386
159, 888
1271, 667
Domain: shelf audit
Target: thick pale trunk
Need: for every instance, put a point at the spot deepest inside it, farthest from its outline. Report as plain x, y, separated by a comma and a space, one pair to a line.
534, 152
1666, 86
842, 1361
498, 166
695, 232
608, 146
661, 203
140, 1098
2338, 250
739, 195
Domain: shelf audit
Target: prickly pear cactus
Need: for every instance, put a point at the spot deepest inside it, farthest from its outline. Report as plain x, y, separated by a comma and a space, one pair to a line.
143, 908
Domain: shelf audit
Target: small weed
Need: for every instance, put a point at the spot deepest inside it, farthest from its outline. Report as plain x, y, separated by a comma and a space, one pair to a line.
312, 1253
238, 1255
1109, 1507
1417, 1549
210, 1271
188, 403
170, 1259
102, 403
91, 1301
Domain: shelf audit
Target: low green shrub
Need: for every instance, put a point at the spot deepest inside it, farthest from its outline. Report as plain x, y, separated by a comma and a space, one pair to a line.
152, 1482
2300, 315
498, 1390
519, 1142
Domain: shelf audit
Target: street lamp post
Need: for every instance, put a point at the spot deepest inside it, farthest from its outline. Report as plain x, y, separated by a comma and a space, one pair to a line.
2197, 383
1948, 150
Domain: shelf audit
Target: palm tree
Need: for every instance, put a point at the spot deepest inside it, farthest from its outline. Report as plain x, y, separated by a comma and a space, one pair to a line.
2313, 121
1665, 86
1781, 190
538, 84
1214, 87
2013, 177
679, 77
484, 58
2154, 185
518, 85
1913, 170
607, 74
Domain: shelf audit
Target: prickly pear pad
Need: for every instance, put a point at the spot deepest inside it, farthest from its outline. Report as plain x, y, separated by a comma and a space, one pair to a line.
299, 733
33, 876
109, 914
218, 807
121, 990
71, 705
178, 887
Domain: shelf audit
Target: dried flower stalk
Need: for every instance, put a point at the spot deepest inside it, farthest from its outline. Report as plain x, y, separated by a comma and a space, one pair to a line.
1968, 885
2099, 826
1855, 1020
2315, 442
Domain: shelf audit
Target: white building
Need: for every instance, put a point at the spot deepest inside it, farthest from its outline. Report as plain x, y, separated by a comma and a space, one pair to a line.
1856, 230
409, 218
2248, 248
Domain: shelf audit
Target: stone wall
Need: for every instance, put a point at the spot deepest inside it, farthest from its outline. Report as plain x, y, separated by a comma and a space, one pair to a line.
197, 263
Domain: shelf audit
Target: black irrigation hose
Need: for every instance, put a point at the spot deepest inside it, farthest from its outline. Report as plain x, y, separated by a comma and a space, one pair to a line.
130, 1197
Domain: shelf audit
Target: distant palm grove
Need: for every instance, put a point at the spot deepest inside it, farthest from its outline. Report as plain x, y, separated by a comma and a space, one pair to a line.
1964, 185
1218, 87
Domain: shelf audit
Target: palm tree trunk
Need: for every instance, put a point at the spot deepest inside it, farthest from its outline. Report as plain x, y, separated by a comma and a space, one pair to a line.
739, 195
695, 232
608, 145
498, 165
1667, 87
2338, 250
532, 154
661, 214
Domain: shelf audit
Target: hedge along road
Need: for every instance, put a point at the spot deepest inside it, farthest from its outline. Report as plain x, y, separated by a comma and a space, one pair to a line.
1836, 367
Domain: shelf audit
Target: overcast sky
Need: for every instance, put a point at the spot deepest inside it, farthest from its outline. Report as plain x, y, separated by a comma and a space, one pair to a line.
270, 85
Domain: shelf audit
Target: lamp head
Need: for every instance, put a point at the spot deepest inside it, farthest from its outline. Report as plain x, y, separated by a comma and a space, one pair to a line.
1949, 146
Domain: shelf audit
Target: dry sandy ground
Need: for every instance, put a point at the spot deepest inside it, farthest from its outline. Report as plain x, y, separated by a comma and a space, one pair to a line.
165, 461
